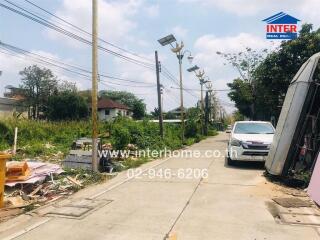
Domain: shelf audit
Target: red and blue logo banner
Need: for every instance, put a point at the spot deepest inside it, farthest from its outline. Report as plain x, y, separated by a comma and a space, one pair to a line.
281, 26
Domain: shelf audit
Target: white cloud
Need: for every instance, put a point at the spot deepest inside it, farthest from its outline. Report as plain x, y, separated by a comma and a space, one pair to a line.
115, 18
10, 70
306, 10
129, 71
241, 7
180, 32
152, 10
309, 12
15, 64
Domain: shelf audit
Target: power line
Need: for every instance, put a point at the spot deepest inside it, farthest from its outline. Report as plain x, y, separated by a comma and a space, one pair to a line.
34, 17
18, 55
84, 31
42, 21
170, 77
46, 63
77, 68
49, 24
194, 89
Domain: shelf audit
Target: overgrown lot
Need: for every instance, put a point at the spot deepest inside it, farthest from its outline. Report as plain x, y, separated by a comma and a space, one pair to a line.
48, 139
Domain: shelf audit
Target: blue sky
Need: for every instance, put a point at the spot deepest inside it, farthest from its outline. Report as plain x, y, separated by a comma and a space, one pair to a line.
205, 27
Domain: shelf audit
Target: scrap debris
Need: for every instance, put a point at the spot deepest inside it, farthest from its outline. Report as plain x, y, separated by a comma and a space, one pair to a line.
17, 171
33, 184
38, 172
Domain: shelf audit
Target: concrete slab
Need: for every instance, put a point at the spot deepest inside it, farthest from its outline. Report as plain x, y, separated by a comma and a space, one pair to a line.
303, 219
68, 211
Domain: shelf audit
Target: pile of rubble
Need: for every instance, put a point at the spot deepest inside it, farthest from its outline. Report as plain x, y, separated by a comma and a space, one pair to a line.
33, 183
37, 184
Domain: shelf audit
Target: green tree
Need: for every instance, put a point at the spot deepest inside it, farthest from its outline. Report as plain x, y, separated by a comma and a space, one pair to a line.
246, 63
137, 105
38, 85
67, 86
86, 94
169, 115
67, 105
156, 113
193, 124
241, 93
237, 116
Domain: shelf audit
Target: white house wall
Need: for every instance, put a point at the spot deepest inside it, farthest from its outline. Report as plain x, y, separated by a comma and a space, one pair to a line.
112, 114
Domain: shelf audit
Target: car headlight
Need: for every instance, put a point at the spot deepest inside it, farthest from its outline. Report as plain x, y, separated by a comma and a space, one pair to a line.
235, 142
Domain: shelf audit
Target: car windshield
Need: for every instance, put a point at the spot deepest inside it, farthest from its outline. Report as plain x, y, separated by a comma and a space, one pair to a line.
253, 128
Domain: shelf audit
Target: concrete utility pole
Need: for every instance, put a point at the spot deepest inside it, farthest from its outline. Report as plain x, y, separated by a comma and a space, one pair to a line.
180, 56
159, 94
202, 106
94, 85
206, 114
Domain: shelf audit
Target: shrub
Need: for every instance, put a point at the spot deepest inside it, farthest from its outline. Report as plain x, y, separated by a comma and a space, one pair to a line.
34, 135
6, 134
120, 137
67, 106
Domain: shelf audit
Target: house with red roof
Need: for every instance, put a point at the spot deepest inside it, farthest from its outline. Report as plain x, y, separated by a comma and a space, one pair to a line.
109, 109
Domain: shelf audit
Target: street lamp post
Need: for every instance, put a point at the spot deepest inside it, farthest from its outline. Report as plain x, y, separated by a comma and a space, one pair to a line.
202, 80
178, 50
209, 106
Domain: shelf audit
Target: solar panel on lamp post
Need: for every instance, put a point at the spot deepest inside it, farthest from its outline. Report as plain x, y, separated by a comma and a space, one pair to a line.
167, 40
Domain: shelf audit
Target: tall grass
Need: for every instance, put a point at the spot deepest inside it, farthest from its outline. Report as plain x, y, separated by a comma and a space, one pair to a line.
37, 138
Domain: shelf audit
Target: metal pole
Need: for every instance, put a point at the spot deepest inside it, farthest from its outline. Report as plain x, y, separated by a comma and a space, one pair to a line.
94, 85
159, 94
162, 102
15, 141
202, 107
180, 56
206, 114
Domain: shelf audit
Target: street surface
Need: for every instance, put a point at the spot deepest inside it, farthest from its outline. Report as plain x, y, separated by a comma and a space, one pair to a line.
229, 204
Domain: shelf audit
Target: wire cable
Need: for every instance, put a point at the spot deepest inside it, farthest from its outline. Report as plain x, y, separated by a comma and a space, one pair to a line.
49, 24
86, 32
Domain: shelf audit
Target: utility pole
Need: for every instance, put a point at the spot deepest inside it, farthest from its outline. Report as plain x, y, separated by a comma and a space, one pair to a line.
202, 107
180, 56
94, 85
161, 91
159, 94
206, 114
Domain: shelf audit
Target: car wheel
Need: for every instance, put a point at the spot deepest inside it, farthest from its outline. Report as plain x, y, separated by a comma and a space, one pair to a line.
230, 161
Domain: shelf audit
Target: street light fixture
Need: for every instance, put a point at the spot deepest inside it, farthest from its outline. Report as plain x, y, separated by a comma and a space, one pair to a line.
178, 50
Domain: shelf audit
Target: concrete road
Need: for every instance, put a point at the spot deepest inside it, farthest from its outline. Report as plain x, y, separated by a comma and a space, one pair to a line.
167, 197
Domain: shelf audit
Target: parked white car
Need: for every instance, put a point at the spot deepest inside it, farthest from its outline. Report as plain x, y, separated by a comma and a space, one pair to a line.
250, 141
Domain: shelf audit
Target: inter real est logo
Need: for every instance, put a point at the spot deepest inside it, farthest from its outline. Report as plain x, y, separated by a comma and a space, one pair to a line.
281, 26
